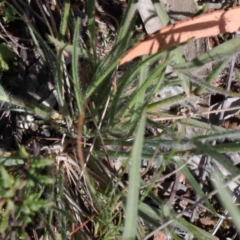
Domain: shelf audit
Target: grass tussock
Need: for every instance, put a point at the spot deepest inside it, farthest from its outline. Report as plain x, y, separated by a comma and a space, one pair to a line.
93, 150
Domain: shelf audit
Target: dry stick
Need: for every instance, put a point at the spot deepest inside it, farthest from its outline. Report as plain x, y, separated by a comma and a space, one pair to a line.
220, 220
202, 206
11, 38
205, 25
166, 176
174, 188
196, 114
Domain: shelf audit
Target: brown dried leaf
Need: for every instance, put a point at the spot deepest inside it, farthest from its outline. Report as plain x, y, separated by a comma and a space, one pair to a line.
205, 25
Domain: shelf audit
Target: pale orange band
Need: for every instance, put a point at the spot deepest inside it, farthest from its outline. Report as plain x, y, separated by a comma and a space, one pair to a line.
205, 25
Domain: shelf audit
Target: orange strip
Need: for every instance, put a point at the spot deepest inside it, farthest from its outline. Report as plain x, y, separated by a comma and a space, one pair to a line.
202, 26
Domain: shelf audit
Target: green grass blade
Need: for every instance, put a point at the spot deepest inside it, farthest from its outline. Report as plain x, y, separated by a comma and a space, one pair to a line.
161, 13
126, 80
194, 184
139, 100
40, 110
104, 69
199, 233
226, 201
64, 21
199, 124
59, 80
127, 21
91, 26
146, 83
219, 136
131, 219
81, 52
212, 88
75, 67
151, 108
221, 52
149, 214
212, 76
218, 157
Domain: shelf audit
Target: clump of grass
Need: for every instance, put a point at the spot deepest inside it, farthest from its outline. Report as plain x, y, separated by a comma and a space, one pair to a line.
101, 119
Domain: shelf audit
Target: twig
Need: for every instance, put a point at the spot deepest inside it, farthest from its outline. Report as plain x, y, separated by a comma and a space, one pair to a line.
196, 114
10, 37
174, 188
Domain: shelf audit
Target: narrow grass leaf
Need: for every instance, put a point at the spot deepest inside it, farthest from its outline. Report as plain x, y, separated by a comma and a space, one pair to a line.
206, 85
162, 15
194, 184
139, 100
91, 25
81, 52
126, 80
149, 214
212, 76
192, 122
227, 201
221, 52
199, 233
40, 110
218, 157
127, 21
146, 83
219, 136
64, 20
151, 108
131, 219
104, 69
59, 80
75, 72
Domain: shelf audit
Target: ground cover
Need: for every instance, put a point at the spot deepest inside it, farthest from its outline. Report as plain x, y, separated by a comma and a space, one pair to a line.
111, 131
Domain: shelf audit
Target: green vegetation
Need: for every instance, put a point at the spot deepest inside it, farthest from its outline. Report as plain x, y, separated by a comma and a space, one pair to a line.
90, 163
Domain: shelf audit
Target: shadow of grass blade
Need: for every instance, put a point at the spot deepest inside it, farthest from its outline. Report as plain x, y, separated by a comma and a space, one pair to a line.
130, 225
